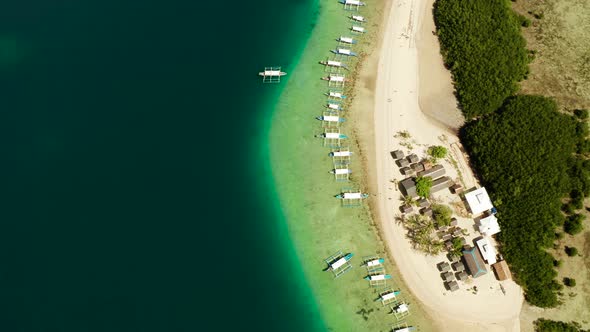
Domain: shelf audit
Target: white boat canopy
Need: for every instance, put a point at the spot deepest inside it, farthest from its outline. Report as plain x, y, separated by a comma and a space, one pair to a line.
402, 308
352, 2
388, 296
338, 263
335, 78
330, 118
374, 262
347, 40
334, 63
335, 94
343, 51
341, 171
358, 29
332, 135
334, 106
358, 18
378, 277
341, 153
353, 196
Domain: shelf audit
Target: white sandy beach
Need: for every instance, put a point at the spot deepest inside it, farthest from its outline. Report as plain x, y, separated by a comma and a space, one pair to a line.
398, 101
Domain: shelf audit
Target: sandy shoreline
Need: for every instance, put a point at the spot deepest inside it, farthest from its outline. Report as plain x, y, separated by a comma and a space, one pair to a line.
413, 92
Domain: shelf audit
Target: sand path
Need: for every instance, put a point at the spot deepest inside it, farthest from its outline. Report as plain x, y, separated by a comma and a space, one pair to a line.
397, 108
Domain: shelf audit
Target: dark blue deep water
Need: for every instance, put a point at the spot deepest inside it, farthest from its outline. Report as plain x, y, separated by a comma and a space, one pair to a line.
135, 190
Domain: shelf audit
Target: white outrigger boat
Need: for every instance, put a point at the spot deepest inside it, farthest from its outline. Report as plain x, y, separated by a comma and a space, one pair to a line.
352, 196
344, 153
272, 74
346, 40
375, 262
358, 18
334, 94
333, 136
341, 171
334, 106
352, 3
335, 64
330, 118
343, 51
389, 296
357, 29
378, 277
334, 78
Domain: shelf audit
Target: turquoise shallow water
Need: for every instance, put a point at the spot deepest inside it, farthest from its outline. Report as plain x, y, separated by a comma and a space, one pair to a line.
136, 191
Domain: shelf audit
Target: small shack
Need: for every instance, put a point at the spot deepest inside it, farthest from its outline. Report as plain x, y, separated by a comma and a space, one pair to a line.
457, 188
452, 285
427, 165
406, 170
413, 158
426, 212
433, 173
440, 184
454, 222
462, 276
397, 154
448, 276
474, 262
423, 202
417, 167
458, 266
478, 201
406, 208
444, 267
408, 187
502, 270
403, 163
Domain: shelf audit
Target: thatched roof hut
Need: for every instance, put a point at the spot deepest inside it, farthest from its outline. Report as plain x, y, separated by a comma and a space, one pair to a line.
423, 202
456, 188
413, 158
444, 266
462, 276
434, 172
406, 170
448, 276
397, 154
417, 167
406, 208
458, 266
440, 184
426, 211
409, 187
452, 285
403, 163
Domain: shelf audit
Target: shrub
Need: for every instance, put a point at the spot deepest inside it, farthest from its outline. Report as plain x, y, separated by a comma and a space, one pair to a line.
437, 151
569, 282
557, 263
571, 251
423, 185
524, 21
546, 325
581, 114
577, 199
573, 224
441, 214
482, 46
523, 160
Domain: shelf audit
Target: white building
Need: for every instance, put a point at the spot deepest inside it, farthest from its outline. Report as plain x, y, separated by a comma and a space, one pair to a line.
478, 201
488, 252
488, 226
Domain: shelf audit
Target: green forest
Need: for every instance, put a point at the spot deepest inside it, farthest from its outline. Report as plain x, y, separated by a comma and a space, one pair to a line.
520, 154
482, 45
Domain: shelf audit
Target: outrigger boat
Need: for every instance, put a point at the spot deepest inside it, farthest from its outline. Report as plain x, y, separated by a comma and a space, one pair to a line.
352, 196
333, 136
330, 118
340, 154
378, 277
334, 78
346, 40
336, 64
352, 3
334, 106
341, 171
339, 262
357, 29
357, 18
272, 73
389, 296
334, 94
375, 262
344, 51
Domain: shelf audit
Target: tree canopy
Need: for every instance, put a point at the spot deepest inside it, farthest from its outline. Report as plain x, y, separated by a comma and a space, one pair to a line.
521, 154
482, 46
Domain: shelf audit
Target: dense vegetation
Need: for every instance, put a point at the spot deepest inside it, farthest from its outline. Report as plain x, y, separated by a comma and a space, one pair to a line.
545, 325
520, 153
482, 45
437, 152
423, 185
441, 214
